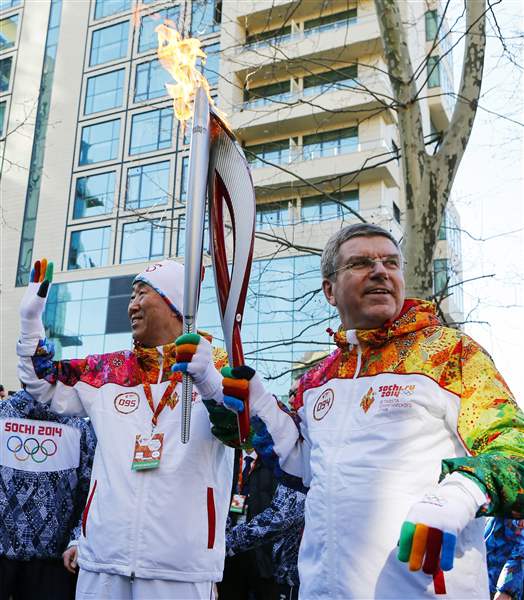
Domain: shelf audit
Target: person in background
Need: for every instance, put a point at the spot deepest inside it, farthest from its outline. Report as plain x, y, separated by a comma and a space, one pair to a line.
505, 554
45, 470
249, 574
3, 393
281, 523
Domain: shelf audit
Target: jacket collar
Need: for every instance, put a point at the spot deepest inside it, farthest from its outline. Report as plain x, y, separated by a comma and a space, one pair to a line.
415, 315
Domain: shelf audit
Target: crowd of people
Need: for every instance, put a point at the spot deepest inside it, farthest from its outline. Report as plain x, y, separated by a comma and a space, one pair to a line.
372, 483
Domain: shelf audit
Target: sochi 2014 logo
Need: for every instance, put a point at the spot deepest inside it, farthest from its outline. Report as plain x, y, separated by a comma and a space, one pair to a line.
31, 448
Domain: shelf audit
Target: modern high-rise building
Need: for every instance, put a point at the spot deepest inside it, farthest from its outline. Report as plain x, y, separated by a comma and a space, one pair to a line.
94, 164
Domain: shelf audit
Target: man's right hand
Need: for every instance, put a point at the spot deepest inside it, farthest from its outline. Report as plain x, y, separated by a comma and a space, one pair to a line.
33, 303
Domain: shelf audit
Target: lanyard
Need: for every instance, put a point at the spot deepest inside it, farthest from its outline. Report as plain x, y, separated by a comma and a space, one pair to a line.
160, 407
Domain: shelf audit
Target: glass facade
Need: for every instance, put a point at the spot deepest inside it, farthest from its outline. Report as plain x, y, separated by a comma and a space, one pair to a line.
322, 208
7, 4
109, 43
150, 81
206, 16
274, 152
433, 71
284, 325
2, 117
104, 92
431, 25
5, 73
330, 143
211, 69
266, 94
329, 81
328, 22
100, 142
105, 8
148, 39
147, 185
142, 241
441, 275
8, 30
152, 130
89, 248
184, 178
269, 37
275, 214
94, 195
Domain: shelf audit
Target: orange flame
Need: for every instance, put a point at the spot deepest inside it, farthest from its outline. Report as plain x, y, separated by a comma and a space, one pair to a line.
179, 57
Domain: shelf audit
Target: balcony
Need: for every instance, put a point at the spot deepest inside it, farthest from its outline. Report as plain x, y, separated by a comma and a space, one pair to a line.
316, 42
355, 162
293, 110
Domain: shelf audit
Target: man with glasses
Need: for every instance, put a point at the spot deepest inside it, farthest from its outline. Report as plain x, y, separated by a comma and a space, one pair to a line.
405, 434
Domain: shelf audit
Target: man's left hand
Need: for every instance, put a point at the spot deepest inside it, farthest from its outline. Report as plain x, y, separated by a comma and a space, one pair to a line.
70, 557
429, 533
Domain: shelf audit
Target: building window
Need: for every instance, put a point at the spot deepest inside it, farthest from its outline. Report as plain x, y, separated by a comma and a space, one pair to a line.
5, 73
8, 28
431, 25
99, 142
327, 22
7, 4
330, 143
269, 37
184, 178
2, 117
89, 248
275, 152
271, 215
109, 43
442, 231
433, 71
150, 81
396, 212
148, 38
339, 79
206, 16
440, 275
212, 67
151, 131
322, 208
104, 8
147, 185
265, 94
94, 195
142, 241
104, 92
179, 225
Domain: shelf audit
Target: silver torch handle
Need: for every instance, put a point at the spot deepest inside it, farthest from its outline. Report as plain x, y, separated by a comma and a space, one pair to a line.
195, 220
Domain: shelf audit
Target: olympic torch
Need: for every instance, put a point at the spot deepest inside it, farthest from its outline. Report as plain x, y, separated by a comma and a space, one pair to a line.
195, 219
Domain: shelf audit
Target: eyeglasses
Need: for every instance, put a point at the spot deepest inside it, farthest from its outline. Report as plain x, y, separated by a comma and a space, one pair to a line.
365, 264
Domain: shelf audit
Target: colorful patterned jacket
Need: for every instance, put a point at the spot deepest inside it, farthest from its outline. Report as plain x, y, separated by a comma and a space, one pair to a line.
382, 419
505, 548
45, 469
165, 523
282, 522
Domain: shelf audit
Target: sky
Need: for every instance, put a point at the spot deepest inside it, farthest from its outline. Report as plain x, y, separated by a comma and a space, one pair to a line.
489, 195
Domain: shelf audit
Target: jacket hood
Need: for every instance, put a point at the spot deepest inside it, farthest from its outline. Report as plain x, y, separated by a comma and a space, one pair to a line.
415, 315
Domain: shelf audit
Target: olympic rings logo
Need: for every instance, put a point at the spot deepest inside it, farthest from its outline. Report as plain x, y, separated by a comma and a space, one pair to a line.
31, 448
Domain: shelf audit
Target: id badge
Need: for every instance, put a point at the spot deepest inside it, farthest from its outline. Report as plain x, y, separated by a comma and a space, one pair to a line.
148, 451
238, 504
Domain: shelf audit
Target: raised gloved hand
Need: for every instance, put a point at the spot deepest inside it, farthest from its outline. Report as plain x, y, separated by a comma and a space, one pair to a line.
194, 357
428, 535
33, 303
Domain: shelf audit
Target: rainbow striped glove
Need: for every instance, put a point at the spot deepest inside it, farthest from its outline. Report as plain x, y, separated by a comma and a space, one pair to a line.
194, 357
236, 386
33, 303
428, 535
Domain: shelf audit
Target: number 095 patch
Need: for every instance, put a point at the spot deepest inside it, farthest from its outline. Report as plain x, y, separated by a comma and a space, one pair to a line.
127, 403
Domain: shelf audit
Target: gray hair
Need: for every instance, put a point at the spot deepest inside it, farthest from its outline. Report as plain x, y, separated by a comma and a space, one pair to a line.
328, 262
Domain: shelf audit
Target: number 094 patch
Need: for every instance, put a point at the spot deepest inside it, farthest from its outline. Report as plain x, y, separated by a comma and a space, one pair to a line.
127, 403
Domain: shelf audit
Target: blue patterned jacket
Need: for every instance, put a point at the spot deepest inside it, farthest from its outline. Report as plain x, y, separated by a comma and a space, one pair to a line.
283, 522
505, 549
40, 511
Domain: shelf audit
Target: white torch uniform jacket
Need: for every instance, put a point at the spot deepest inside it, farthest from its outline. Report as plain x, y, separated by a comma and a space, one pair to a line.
165, 523
379, 422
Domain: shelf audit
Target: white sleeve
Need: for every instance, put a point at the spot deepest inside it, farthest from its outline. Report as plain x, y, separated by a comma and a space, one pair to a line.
63, 398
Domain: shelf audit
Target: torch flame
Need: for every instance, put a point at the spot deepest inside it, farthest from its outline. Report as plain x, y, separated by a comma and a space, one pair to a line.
179, 56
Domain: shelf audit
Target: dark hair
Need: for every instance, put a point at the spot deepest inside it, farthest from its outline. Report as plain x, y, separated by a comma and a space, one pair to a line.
328, 262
